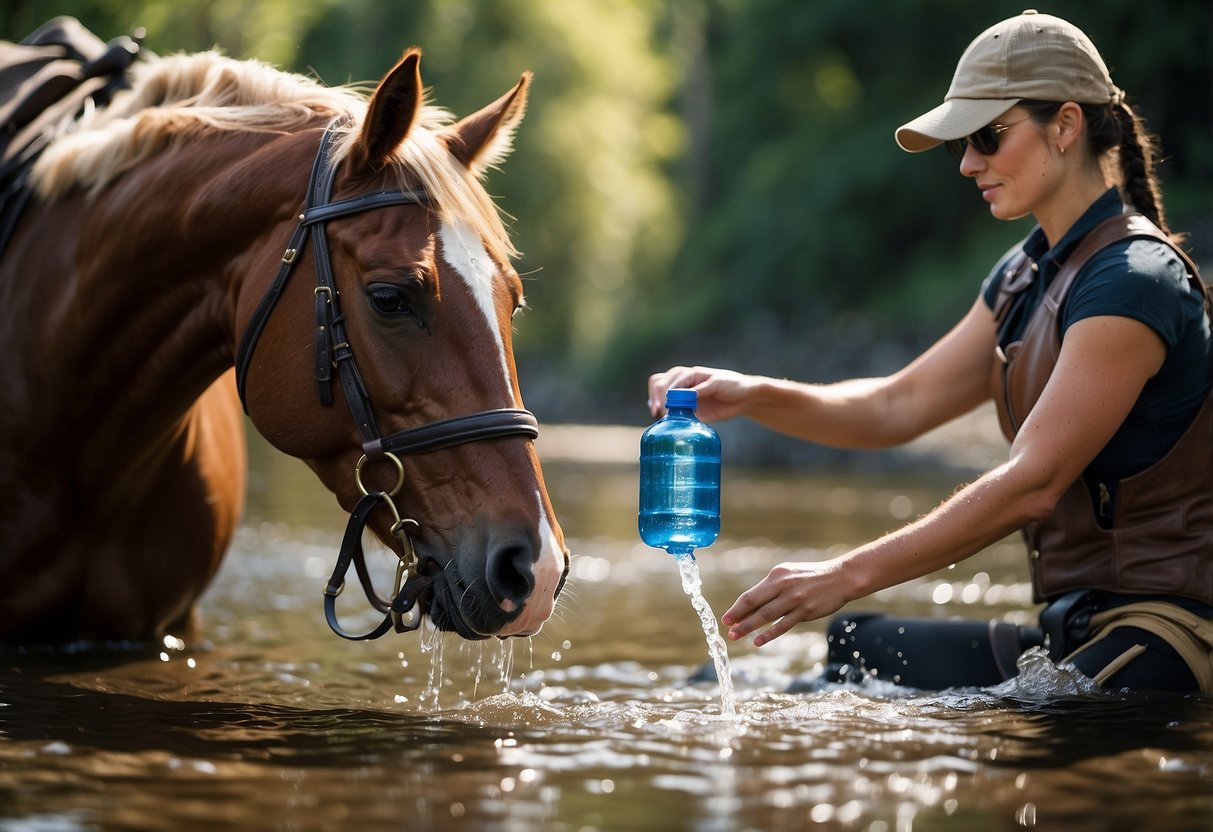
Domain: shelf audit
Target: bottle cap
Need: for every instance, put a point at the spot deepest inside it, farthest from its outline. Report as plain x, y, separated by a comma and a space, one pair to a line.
681, 397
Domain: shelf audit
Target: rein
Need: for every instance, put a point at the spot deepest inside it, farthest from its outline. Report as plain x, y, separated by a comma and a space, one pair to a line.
413, 578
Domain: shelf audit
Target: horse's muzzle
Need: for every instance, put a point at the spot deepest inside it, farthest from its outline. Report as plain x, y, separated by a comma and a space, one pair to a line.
477, 596
496, 577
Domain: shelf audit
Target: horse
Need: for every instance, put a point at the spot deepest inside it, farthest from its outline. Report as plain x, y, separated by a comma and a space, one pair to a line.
156, 289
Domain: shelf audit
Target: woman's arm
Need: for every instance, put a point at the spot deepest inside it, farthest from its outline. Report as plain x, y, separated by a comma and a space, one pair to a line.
949, 379
1103, 365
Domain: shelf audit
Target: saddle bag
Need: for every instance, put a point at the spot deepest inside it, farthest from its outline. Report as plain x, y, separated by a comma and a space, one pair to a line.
49, 75
45, 80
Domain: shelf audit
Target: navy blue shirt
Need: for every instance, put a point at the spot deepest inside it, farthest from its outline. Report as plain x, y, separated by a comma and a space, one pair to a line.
1142, 279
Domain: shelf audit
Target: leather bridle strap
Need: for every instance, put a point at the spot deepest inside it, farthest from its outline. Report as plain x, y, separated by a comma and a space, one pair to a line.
261, 315
351, 552
487, 424
333, 351
317, 210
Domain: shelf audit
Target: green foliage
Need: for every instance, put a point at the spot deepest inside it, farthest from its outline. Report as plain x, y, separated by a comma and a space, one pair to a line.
586, 184
713, 180
810, 234
264, 29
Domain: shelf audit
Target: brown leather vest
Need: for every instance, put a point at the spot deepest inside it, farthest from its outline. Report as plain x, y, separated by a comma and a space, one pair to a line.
1161, 539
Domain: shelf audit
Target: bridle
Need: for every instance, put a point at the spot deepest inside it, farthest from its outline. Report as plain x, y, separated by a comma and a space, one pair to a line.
402, 612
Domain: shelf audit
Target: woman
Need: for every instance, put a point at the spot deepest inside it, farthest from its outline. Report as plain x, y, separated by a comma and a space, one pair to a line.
1103, 388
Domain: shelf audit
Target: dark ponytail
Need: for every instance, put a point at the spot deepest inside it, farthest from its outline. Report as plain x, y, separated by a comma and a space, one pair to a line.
1115, 127
1137, 155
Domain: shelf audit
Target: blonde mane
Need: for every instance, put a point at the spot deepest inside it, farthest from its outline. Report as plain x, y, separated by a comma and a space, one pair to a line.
178, 97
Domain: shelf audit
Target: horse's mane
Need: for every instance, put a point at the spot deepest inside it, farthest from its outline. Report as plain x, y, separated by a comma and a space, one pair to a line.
177, 97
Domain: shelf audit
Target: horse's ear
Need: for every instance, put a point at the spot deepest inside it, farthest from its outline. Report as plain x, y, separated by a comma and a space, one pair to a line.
484, 138
390, 113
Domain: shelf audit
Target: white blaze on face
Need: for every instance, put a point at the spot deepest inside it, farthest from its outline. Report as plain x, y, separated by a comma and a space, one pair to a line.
466, 254
549, 566
464, 251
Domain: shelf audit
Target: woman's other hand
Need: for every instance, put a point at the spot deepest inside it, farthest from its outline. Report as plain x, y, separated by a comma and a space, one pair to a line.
789, 594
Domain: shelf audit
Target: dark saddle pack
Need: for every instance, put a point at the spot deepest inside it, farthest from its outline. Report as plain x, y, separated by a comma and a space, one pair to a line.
48, 78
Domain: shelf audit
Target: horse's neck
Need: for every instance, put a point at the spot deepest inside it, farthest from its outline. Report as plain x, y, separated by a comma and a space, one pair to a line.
142, 322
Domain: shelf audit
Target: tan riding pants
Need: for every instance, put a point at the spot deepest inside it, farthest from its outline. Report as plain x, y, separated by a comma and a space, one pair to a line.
1188, 634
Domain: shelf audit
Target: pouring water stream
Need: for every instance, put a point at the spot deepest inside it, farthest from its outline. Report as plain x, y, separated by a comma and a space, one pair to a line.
688, 568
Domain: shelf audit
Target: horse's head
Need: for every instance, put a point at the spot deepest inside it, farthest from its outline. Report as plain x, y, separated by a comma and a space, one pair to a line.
414, 328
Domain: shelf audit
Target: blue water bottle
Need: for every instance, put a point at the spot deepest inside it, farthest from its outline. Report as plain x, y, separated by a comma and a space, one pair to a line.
679, 479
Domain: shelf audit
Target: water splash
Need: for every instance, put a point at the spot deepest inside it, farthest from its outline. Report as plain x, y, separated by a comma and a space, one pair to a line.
691, 585
432, 642
1042, 680
506, 656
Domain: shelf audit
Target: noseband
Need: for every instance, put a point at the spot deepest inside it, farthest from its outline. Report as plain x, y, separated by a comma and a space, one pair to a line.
333, 352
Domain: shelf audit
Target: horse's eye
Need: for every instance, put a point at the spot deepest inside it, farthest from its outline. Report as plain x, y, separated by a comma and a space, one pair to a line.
389, 301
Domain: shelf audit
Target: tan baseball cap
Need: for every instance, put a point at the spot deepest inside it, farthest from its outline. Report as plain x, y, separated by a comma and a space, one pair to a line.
1031, 56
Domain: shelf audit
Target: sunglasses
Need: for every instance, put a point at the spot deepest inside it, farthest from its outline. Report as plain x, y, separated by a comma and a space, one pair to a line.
984, 141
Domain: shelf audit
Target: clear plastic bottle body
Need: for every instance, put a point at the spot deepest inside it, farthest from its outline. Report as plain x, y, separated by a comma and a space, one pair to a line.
679, 480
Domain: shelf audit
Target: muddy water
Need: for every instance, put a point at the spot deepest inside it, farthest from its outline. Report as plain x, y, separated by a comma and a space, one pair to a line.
264, 720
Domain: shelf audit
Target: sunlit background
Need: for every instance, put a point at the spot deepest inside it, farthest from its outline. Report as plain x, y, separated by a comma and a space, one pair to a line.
714, 181
696, 181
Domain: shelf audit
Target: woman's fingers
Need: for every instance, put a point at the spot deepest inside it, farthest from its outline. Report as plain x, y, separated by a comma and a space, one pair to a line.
775, 630
777, 613
755, 608
660, 384
789, 594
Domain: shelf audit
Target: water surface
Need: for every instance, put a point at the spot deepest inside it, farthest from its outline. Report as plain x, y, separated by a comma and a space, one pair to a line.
263, 719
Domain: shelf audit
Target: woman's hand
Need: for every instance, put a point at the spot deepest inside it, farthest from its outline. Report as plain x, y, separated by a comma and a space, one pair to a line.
789, 594
721, 392
1103, 365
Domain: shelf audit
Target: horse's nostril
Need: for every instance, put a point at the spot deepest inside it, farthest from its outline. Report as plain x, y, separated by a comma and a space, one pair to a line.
509, 575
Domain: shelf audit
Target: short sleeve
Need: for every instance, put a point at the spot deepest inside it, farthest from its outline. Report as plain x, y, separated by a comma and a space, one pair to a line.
1144, 280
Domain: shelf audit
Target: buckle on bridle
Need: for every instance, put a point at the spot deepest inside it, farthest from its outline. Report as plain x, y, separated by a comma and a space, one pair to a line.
395, 489
403, 610
409, 565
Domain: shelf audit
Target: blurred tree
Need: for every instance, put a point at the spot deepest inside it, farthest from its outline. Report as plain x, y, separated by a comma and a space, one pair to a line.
268, 30
815, 247
714, 180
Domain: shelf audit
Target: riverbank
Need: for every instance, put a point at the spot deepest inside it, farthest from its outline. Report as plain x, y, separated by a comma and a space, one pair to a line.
968, 444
